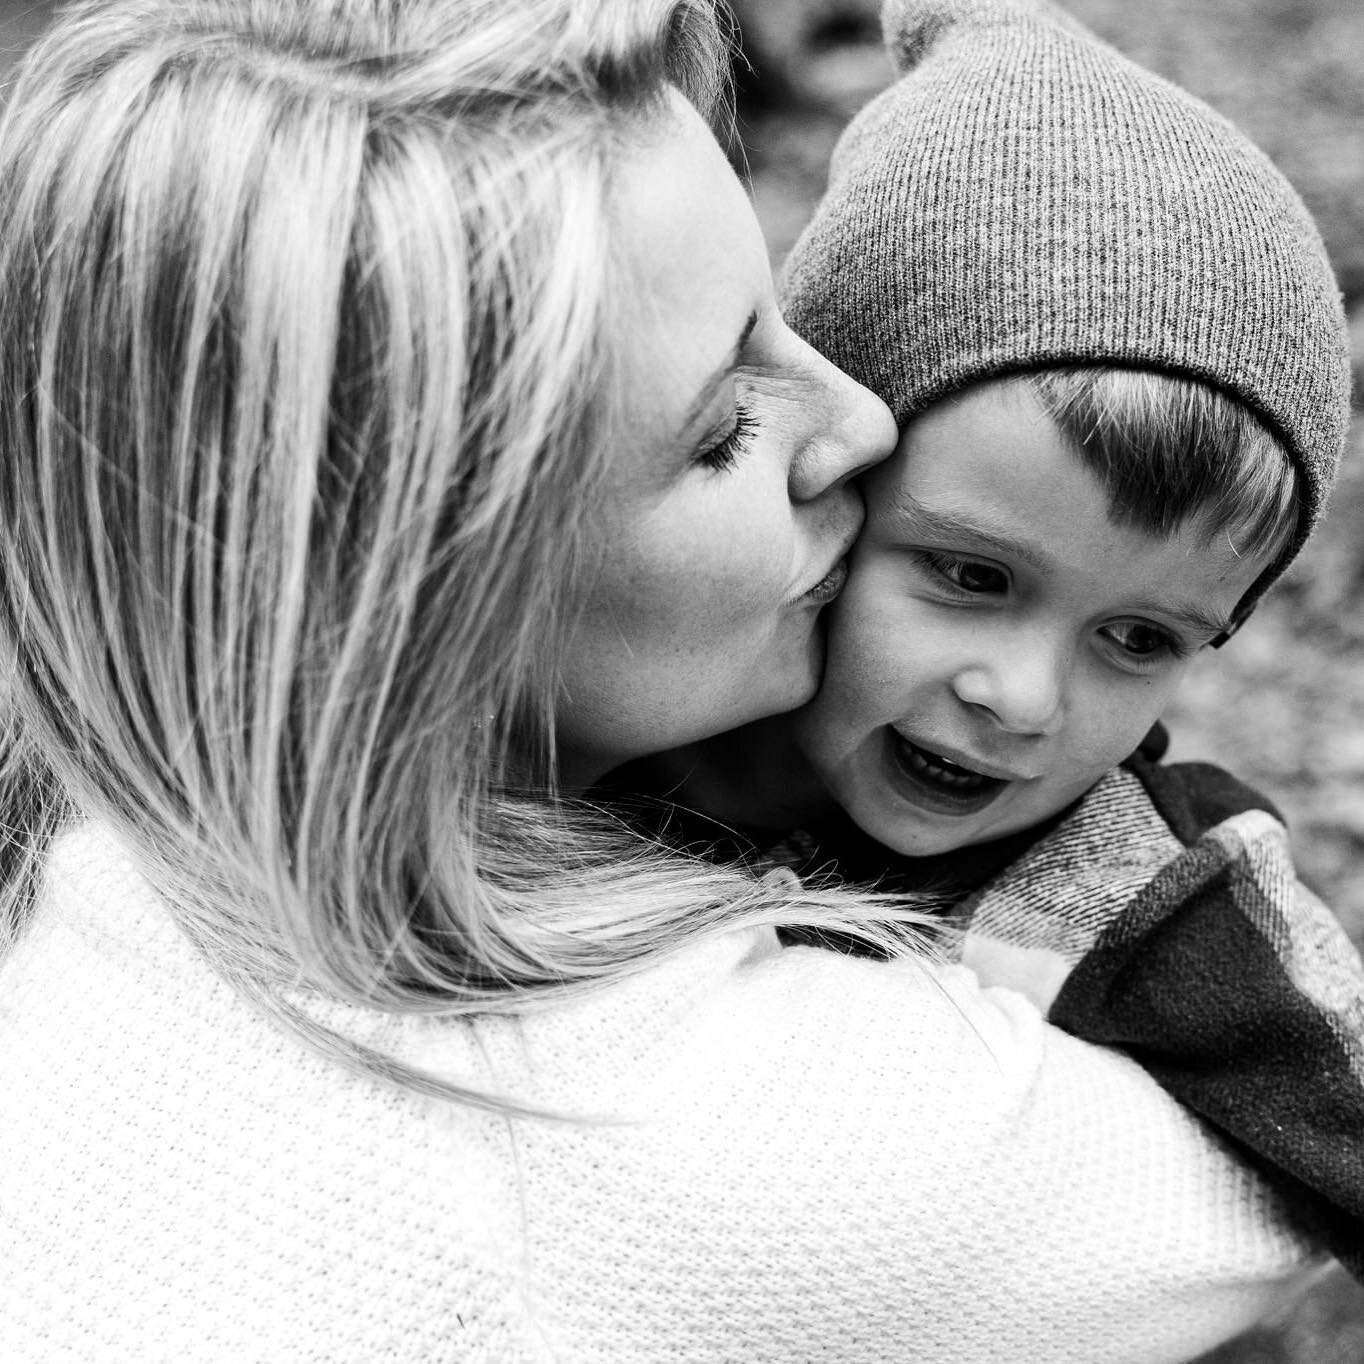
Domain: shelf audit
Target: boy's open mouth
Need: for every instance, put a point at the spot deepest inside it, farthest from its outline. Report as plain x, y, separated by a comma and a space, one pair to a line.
936, 783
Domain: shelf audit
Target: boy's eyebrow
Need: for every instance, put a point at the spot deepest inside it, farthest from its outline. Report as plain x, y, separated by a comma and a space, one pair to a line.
1194, 619
720, 373
941, 521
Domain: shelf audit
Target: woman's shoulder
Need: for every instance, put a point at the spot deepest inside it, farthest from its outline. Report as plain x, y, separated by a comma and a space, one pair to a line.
208, 1179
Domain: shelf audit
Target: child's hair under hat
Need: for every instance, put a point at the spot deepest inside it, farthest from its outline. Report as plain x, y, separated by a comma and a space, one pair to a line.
1026, 198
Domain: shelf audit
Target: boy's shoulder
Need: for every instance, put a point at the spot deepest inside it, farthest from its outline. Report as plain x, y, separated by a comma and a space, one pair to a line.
1139, 838
1191, 797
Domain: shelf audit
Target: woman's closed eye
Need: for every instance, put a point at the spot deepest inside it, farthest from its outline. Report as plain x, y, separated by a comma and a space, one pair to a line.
964, 577
724, 453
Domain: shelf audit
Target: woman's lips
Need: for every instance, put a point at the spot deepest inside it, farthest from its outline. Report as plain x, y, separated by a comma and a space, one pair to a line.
935, 783
829, 586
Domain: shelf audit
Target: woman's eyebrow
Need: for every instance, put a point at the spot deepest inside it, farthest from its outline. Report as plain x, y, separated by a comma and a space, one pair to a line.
721, 373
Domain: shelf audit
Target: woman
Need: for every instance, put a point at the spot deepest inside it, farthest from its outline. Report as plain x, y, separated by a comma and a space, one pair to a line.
398, 430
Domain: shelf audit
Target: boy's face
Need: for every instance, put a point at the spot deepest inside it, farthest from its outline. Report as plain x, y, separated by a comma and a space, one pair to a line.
1000, 644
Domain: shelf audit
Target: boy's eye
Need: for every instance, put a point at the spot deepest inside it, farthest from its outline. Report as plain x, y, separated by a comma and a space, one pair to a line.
1141, 640
966, 575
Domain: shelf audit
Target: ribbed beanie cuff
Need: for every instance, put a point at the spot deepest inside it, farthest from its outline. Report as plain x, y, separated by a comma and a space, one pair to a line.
1024, 196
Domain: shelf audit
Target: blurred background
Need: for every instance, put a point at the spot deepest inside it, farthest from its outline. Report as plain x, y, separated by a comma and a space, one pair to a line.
1283, 704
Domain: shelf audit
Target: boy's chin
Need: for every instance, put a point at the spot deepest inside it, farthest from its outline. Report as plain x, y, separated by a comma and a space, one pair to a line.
933, 842
910, 835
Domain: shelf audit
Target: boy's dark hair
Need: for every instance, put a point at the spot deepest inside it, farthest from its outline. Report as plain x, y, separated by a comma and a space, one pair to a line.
1170, 450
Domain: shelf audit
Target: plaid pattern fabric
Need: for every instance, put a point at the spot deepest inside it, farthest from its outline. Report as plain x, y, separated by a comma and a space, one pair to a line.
1068, 887
1161, 915
1212, 965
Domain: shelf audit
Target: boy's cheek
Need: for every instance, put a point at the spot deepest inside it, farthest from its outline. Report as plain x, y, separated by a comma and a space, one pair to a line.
1118, 723
873, 618
867, 666
863, 684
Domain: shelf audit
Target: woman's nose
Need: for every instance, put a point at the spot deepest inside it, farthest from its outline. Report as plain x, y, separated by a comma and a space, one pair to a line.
851, 429
1022, 689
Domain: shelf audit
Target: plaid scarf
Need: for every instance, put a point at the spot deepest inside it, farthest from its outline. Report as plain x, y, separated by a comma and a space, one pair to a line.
1163, 916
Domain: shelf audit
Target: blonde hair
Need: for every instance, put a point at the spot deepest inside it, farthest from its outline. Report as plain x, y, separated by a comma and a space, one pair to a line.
308, 378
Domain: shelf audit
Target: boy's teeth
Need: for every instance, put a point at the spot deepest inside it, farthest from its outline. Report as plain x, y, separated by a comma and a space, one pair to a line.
942, 771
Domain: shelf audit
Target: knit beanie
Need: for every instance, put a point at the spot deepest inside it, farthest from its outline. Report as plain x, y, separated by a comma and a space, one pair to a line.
1024, 196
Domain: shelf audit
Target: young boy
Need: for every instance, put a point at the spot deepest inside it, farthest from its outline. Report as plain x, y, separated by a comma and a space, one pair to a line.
1116, 351
1113, 342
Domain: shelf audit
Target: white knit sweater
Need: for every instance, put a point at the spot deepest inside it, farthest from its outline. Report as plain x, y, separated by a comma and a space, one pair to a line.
814, 1157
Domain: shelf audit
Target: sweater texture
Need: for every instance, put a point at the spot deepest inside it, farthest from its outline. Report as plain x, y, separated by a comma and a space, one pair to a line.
1161, 914
806, 1156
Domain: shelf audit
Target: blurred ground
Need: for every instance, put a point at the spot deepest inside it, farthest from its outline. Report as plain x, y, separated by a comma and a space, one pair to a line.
1282, 705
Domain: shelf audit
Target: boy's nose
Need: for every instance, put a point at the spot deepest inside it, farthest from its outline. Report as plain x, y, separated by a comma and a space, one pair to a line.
1022, 691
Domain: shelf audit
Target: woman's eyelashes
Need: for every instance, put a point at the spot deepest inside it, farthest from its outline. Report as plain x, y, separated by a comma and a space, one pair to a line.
724, 453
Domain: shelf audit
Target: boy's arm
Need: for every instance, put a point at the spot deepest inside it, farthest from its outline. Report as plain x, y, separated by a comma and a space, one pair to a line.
1221, 974
1237, 990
